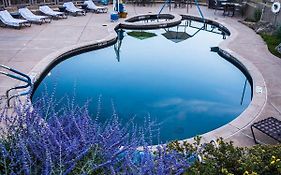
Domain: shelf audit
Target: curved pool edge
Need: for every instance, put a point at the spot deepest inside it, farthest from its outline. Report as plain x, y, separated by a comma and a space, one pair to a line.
43, 67
256, 106
226, 131
252, 112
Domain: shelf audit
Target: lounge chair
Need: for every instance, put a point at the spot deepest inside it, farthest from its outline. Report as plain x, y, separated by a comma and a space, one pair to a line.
8, 20
269, 126
70, 7
93, 7
28, 15
50, 12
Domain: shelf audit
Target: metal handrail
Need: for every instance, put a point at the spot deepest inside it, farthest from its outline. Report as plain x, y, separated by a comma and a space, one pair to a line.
198, 8
195, 2
166, 2
18, 76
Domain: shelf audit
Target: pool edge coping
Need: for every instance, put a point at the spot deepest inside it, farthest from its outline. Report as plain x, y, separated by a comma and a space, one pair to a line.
226, 131
256, 106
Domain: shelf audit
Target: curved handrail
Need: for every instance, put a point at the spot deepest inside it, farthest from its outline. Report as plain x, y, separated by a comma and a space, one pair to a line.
22, 77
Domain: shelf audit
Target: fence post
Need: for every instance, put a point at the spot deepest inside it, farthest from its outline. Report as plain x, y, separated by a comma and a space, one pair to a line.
5, 3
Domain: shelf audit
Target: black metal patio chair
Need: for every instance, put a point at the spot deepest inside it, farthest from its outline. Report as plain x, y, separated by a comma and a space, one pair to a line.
269, 126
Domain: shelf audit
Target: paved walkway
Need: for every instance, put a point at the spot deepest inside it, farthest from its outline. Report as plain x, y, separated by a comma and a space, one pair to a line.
24, 49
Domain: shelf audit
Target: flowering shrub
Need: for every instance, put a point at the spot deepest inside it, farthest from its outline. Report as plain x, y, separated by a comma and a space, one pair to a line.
42, 140
50, 140
226, 159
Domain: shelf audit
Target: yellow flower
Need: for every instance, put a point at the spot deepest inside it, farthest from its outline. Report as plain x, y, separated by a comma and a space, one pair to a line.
272, 162
273, 157
277, 160
246, 173
224, 170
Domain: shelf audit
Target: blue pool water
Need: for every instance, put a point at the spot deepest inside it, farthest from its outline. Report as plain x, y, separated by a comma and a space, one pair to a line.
181, 85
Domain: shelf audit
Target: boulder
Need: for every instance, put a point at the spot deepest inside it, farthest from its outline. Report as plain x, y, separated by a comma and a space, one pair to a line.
265, 27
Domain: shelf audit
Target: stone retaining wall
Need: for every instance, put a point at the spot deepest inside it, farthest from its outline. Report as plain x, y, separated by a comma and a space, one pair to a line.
252, 8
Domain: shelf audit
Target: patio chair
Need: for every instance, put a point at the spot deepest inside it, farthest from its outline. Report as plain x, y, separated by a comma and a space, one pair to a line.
70, 7
28, 15
93, 7
8, 20
50, 12
218, 5
269, 126
240, 6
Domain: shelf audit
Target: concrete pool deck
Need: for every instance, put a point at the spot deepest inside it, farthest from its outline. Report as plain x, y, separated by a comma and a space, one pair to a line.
28, 48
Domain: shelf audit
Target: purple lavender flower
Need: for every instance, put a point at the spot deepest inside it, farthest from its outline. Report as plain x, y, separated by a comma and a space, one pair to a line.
42, 139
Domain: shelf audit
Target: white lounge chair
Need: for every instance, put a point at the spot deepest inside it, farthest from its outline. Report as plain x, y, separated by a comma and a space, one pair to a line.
93, 7
50, 12
70, 7
28, 15
8, 20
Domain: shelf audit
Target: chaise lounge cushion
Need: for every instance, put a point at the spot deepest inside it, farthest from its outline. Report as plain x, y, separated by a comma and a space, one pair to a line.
48, 11
92, 6
7, 19
28, 15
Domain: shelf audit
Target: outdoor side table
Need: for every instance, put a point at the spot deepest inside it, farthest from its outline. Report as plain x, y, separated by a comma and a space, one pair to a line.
270, 126
62, 8
230, 7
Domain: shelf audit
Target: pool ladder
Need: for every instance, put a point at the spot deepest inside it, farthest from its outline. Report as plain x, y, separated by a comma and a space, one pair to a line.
18, 76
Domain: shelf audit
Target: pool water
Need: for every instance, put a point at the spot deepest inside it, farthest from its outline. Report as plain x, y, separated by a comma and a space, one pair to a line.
178, 82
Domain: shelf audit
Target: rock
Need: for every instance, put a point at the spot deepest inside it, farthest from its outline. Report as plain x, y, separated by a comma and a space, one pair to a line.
250, 24
278, 48
260, 27
265, 27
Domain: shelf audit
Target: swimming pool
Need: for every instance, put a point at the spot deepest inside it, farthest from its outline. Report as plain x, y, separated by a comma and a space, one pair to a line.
168, 74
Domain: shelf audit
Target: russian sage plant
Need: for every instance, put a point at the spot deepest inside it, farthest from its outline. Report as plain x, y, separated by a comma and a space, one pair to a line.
47, 138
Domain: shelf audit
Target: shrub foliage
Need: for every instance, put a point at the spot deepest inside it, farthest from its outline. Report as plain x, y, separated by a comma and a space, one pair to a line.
41, 140
226, 159
44, 139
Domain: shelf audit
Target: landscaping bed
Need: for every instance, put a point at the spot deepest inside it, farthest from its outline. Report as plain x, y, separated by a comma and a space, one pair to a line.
41, 139
272, 41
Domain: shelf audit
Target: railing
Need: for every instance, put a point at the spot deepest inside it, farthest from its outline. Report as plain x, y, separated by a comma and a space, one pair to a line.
195, 2
200, 12
18, 76
166, 2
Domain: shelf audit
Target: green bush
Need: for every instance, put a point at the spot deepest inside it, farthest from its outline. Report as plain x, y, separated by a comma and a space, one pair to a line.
258, 14
278, 32
256, 17
272, 42
226, 159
